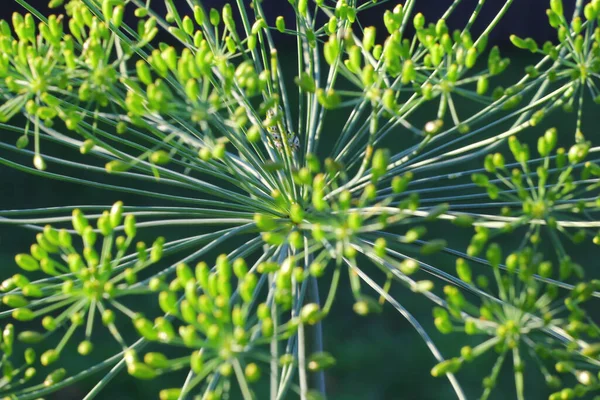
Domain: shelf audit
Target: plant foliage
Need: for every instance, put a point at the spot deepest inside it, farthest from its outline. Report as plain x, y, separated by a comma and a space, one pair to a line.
194, 109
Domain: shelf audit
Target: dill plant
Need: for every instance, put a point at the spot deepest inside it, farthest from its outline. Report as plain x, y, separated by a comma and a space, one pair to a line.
232, 147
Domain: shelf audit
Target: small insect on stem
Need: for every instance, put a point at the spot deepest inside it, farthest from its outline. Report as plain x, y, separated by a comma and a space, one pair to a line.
293, 140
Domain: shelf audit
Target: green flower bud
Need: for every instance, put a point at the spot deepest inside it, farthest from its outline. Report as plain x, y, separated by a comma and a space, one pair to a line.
557, 7
32, 290
192, 89
350, 251
202, 271
578, 152
146, 328
89, 236
454, 296
380, 163
168, 302
286, 359
311, 314
184, 273
27, 262
450, 366
117, 16
329, 99
366, 305
55, 377
179, 34
226, 369
252, 372
160, 157
22, 141
49, 357
280, 24
442, 321
189, 336
272, 238
141, 371
267, 327
104, 225
8, 284
422, 286
564, 366
369, 38
196, 362
408, 266
389, 100
331, 49
296, 213
143, 72
85, 347
471, 58
187, 25
156, 360
585, 378
419, 21
38, 252
488, 163
258, 25
79, 221
537, 117
392, 21
400, 183
355, 59
526, 44
433, 127
409, 73
205, 154
306, 82
157, 249
214, 17
23, 314
170, 394
218, 151
77, 319
165, 329
199, 14
482, 85
320, 361
433, 246
188, 313
494, 255
8, 335
253, 134
480, 180
20, 280
240, 268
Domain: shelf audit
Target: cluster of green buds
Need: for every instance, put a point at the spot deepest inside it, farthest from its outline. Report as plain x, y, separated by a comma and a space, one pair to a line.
574, 362
215, 314
337, 224
577, 359
435, 65
523, 319
48, 72
79, 285
542, 197
226, 329
13, 376
574, 61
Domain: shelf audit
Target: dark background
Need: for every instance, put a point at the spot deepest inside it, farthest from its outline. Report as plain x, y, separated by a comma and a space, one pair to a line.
379, 357
524, 18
